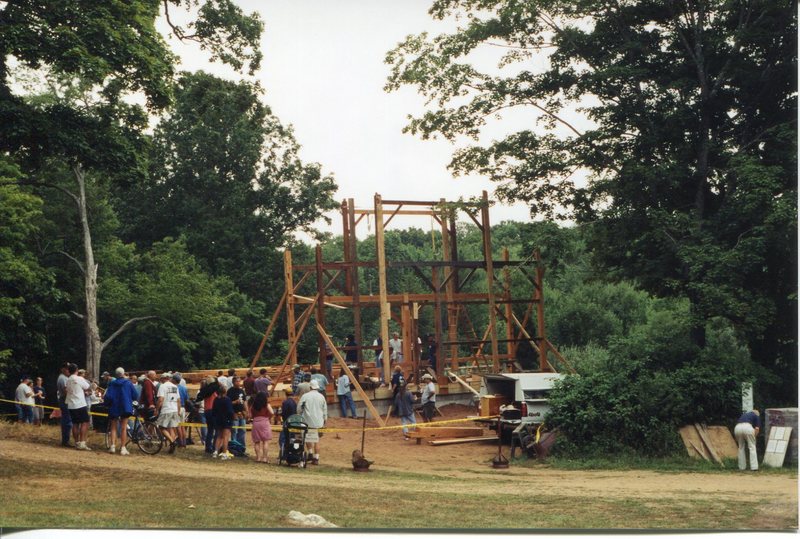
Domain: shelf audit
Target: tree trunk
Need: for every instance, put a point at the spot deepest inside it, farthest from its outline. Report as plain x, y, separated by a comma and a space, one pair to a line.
94, 346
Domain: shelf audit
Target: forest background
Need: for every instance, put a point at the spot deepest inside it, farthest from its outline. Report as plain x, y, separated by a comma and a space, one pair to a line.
149, 233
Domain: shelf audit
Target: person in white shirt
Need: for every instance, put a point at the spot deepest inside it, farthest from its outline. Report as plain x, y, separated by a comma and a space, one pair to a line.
169, 407
314, 409
397, 348
77, 390
428, 398
25, 401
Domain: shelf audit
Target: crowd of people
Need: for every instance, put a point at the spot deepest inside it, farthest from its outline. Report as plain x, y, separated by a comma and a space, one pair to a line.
223, 406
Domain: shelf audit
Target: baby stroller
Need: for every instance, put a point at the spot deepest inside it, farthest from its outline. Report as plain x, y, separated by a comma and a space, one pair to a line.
293, 450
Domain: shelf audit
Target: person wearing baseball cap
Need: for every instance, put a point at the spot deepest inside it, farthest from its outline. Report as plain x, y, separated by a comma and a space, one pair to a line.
119, 399
428, 398
314, 409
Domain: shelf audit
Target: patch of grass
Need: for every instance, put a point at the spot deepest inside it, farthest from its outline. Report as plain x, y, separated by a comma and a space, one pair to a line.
676, 464
161, 499
156, 492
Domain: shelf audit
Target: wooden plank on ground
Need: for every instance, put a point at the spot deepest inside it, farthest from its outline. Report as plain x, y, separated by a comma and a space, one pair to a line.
699, 451
449, 432
692, 442
709, 444
464, 440
723, 441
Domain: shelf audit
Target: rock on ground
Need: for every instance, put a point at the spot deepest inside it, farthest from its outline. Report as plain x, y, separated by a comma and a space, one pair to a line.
311, 519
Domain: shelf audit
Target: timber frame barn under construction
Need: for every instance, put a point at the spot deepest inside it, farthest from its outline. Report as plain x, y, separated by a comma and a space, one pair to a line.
453, 331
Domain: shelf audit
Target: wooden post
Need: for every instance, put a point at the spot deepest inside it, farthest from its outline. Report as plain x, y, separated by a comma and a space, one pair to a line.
512, 346
270, 327
348, 272
543, 345
353, 379
437, 319
452, 309
487, 257
351, 217
320, 308
290, 327
405, 314
385, 314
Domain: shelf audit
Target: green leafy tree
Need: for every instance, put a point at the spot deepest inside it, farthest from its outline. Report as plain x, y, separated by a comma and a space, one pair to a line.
112, 49
681, 114
27, 287
197, 319
226, 175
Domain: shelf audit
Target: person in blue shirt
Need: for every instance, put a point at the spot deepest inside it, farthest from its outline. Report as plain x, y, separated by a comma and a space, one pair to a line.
183, 392
746, 430
119, 399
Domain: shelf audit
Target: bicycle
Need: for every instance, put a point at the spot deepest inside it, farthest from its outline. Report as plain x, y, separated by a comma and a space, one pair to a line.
144, 432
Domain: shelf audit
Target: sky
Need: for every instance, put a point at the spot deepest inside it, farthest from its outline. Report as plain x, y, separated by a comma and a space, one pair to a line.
323, 72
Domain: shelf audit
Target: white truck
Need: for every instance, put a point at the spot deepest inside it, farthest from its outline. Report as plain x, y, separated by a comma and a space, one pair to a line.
526, 392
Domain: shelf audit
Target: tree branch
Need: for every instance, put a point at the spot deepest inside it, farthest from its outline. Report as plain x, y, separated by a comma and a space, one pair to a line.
177, 30
123, 327
555, 117
80, 266
45, 184
77, 315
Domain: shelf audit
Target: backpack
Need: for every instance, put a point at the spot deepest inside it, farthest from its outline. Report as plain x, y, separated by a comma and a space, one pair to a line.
236, 448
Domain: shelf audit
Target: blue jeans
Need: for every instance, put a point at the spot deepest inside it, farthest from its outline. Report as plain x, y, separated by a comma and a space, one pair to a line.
203, 429
240, 433
24, 413
346, 401
66, 423
211, 437
408, 420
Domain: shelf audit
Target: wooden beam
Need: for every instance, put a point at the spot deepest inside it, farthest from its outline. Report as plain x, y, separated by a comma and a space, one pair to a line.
709, 445
462, 382
304, 318
384, 302
511, 348
449, 432
353, 379
290, 322
449, 286
270, 327
437, 321
540, 313
306, 300
464, 440
487, 256
356, 293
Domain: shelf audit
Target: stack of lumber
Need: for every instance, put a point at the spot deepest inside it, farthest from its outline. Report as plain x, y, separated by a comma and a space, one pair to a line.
449, 435
709, 443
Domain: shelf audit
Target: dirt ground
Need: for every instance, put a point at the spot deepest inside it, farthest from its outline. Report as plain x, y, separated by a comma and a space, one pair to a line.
469, 464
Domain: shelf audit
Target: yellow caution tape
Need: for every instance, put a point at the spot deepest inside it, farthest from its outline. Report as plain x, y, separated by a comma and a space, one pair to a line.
280, 427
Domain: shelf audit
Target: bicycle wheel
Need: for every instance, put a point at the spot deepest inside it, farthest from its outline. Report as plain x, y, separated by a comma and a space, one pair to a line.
107, 439
149, 439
